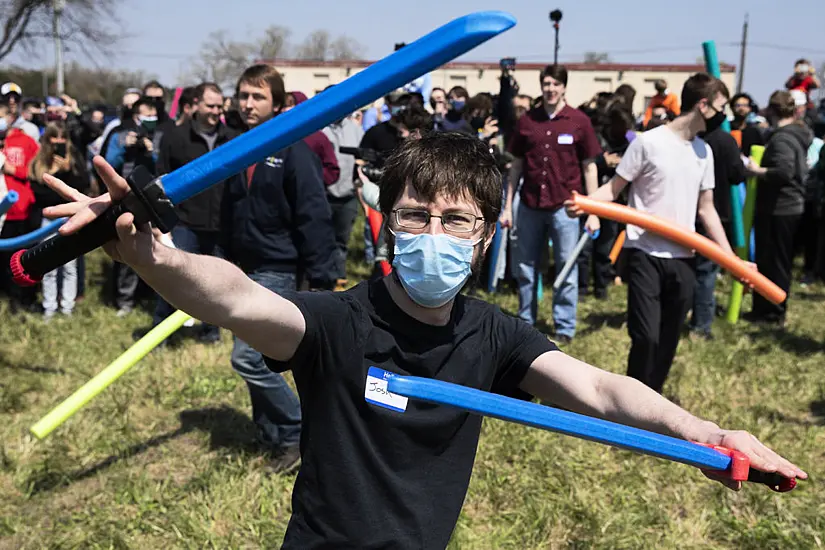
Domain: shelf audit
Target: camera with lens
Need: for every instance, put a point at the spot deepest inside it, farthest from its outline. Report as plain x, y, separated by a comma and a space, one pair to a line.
374, 167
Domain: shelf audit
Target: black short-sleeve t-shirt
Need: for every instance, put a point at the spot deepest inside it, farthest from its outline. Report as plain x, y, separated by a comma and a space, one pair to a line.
372, 477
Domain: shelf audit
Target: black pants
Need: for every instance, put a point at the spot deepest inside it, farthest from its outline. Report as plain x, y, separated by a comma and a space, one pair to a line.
809, 234
659, 295
774, 258
597, 253
344, 211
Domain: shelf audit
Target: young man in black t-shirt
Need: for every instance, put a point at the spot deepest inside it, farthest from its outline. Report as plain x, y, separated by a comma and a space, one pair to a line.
373, 477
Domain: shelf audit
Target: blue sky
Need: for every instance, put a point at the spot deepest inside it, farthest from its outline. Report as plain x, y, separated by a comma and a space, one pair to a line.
635, 31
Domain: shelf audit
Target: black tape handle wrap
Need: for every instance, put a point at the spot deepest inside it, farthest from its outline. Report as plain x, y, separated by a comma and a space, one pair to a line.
60, 249
147, 202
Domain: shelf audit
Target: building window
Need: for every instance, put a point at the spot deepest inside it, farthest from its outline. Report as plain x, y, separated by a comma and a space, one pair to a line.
458, 79
604, 84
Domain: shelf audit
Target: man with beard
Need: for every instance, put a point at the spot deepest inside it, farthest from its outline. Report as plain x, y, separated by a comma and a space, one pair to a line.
199, 228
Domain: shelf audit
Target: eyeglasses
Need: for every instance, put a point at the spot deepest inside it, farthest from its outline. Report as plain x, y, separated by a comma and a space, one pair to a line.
452, 222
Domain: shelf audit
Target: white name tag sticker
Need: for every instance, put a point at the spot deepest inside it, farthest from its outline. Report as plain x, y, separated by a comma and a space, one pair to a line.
376, 391
565, 139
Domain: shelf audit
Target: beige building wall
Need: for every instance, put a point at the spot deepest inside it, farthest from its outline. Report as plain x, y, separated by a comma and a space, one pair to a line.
584, 80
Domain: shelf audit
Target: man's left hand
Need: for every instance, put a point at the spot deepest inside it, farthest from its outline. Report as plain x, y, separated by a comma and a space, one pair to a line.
592, 224
761, 457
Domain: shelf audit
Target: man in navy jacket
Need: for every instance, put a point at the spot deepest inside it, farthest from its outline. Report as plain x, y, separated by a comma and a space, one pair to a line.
276, 226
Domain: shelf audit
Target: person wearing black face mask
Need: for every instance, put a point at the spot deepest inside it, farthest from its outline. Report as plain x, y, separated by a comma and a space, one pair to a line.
154, 90
728, 170
672, 171
454, 120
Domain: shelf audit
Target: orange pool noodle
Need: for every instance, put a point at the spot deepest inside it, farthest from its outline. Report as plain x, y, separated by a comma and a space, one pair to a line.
688, 239
617, 247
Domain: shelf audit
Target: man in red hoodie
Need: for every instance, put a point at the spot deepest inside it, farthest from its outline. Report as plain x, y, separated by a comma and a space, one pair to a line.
19, 150
317, 142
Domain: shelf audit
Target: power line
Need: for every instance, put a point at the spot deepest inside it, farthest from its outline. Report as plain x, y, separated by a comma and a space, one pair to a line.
787, 48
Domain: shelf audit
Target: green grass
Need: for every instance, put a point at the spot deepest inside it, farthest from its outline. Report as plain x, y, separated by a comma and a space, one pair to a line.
165, 458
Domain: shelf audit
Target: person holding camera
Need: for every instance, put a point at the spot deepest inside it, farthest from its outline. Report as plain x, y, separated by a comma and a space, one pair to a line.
58, 157
135, 143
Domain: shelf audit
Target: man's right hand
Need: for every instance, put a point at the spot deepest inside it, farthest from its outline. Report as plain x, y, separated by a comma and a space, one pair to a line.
573, 210
130, 140
135, 246
506, 216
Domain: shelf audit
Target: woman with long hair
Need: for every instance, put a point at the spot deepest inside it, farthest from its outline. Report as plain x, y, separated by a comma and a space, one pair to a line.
58, 158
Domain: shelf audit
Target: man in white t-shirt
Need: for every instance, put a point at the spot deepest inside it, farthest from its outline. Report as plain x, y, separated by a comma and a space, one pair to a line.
672, 174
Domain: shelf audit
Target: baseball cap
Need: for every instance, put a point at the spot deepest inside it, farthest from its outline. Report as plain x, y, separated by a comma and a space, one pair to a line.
799, 98
10, 88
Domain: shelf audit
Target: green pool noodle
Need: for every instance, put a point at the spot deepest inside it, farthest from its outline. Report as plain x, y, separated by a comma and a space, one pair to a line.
738, 289
107, 376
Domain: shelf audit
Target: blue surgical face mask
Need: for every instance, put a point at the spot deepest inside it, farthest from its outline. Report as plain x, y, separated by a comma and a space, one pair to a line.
4, 124
457, 104
432, 268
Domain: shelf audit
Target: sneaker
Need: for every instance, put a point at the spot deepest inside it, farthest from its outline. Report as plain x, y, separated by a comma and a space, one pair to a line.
697, 335
209, 337
124, 311
48, 316
284, 460
600, 293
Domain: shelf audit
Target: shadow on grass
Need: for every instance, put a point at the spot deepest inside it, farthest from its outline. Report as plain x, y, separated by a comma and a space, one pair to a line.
228, 429
816, 418
810, 297
593, 322
818, 411
788, 341
5, 363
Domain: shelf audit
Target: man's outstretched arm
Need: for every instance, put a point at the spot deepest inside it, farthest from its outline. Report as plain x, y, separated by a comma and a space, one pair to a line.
577, 386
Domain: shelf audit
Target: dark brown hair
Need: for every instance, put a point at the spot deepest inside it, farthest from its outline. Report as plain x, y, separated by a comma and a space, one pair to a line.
153, 84
448, 164
556, 72
701, 86
264, 75
203, 86
188, 96
782, 104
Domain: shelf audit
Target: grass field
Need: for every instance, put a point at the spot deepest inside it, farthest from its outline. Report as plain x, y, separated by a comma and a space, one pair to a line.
165, 457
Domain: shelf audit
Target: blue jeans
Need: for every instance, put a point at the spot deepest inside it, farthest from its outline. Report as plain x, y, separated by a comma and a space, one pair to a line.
275, 408
704, 301
528, 239
196, 242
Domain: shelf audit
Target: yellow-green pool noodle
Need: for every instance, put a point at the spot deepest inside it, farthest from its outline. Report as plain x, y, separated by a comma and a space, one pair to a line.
737, 289
107, 376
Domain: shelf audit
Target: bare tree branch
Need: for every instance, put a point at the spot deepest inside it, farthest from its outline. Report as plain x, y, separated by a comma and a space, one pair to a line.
29, 23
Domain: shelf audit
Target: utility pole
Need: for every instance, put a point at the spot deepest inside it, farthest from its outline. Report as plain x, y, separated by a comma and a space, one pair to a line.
58, 44
742, 56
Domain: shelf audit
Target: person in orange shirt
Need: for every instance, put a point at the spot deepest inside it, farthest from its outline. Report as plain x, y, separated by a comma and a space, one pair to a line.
663, 98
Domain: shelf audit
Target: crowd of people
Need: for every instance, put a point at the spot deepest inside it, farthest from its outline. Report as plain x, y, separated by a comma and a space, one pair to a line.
375, 469
286, 221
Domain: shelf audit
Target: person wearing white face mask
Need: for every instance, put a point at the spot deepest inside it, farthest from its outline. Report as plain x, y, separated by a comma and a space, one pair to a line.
380, 473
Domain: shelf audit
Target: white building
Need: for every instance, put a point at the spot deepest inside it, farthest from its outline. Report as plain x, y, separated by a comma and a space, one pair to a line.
584, 80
